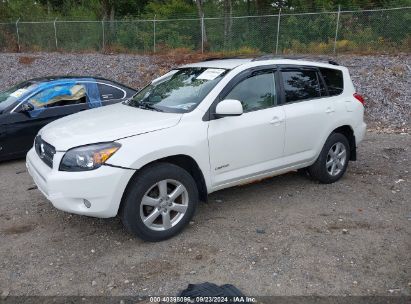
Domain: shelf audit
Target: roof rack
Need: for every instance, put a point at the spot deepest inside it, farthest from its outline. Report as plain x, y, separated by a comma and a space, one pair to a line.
272, 56
298, 57
222, 58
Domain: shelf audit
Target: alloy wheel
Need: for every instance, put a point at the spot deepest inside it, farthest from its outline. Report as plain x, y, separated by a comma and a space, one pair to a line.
336, 159
164, 205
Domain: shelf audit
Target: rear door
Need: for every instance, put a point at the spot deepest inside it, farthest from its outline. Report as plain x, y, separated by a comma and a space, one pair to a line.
308, 111
49, 104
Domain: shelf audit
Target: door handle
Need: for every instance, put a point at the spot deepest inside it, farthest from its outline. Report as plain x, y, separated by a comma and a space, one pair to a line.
329, 110
276, 120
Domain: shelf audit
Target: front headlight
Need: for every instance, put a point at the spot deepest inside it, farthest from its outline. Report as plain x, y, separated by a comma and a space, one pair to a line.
86, 158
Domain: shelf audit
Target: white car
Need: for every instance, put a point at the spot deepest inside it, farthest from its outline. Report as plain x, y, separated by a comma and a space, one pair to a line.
198, 129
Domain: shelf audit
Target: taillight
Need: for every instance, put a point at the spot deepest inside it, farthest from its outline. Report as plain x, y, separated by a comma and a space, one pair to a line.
359, 98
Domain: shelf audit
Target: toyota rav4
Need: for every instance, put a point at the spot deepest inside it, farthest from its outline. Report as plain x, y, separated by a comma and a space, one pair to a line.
200, 128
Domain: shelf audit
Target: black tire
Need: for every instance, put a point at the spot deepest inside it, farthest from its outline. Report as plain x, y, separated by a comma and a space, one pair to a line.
137, 188
319, 171
303, 172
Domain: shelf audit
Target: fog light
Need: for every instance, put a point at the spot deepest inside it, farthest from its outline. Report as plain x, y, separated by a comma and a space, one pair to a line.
87, 203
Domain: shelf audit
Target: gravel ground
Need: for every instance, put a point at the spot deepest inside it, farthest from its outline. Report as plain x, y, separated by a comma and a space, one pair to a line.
385, 81
282, 236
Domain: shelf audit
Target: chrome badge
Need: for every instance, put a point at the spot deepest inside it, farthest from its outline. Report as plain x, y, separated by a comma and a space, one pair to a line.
42, 152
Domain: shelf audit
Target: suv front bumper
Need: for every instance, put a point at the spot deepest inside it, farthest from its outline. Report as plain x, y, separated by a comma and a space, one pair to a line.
103, 188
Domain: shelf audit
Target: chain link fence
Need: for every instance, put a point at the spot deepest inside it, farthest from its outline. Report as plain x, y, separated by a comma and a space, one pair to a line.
380, 30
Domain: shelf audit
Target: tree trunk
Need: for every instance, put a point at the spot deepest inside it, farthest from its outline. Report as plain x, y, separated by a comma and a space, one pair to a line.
200, 12
112, 15
248, 19
108, 12
112, 12
48, 7
105, 9
228, 22
264, 29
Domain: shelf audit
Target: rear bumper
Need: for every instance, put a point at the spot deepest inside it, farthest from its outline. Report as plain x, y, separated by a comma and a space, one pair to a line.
103, 187
359, 133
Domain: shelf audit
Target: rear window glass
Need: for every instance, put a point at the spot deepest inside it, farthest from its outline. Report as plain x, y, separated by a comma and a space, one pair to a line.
300, 85
334, 81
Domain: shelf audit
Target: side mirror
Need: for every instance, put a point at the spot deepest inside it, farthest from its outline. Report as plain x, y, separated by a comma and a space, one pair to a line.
229, 107
26, 107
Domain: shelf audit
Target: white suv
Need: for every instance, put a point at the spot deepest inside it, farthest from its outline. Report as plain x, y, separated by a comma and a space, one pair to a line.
198, 129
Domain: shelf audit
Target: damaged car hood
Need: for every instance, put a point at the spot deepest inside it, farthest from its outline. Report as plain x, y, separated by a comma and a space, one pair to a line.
104, 124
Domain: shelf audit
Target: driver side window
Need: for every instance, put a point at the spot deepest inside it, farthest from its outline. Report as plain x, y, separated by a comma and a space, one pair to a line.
59, 95
255, 92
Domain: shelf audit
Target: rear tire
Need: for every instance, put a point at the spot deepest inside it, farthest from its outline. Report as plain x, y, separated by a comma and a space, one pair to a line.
332, 162
159, 202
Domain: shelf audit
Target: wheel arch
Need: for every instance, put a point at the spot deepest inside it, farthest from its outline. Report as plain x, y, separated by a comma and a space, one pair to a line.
190, 165
348, 132
184, 161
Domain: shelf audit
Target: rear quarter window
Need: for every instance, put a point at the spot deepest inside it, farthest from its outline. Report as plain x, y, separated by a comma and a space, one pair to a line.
108, 92
334, 80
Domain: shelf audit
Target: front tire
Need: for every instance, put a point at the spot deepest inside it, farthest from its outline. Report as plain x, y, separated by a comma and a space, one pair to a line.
332, 162
159, 202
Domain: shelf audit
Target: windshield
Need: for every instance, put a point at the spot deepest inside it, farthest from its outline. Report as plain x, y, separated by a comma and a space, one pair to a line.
180, 91
10, 96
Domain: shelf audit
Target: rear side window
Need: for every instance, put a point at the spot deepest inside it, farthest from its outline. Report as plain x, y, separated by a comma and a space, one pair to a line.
59, 95
108, 92
300, 85
334, 81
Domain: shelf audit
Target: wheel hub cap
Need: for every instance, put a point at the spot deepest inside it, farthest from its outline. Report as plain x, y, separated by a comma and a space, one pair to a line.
336, 159
164, 205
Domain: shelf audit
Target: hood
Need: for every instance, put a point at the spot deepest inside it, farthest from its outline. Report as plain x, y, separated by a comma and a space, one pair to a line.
104, 124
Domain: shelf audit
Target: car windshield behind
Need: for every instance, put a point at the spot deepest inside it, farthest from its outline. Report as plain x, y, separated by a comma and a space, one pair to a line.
10, 96
179, 91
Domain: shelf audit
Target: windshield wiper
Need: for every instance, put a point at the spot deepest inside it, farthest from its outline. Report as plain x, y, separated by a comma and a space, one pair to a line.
147, 106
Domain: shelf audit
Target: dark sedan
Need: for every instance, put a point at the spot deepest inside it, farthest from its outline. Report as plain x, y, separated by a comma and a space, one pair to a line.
28, 106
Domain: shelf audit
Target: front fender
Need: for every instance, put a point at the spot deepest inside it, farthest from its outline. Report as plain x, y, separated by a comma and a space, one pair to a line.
140, 150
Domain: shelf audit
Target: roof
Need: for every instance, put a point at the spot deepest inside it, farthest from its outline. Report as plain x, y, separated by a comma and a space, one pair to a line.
53, 78
254, 62
58, 79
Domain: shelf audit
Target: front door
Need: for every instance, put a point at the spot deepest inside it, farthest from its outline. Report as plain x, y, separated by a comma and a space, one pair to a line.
244, 146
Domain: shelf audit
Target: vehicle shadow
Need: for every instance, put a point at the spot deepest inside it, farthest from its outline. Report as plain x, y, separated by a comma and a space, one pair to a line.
218, 203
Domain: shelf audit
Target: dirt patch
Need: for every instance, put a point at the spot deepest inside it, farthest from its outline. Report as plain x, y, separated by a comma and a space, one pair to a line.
18, 229
26, 60
394, 151
348, 225
149, 269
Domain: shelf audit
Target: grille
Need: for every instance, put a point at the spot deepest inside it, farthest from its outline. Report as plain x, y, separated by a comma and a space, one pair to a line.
45, 151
